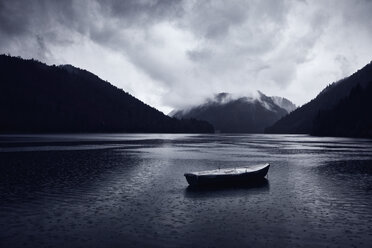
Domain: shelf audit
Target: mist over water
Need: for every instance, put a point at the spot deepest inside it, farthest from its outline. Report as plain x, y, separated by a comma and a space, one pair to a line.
128, 190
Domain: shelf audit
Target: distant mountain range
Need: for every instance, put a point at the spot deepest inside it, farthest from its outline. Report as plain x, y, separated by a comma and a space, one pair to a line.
231, 114
342, 109
37, 98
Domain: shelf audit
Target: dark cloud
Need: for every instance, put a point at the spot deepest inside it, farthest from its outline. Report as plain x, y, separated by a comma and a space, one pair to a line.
143, 11
12, 22
199, 55
171, 53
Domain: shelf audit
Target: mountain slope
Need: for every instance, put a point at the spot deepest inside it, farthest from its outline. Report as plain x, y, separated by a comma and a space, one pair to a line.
236, 115
301, 120
351, 117
37, 98
284, 103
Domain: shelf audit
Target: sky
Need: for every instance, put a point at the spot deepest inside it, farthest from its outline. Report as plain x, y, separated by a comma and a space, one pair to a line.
175, 53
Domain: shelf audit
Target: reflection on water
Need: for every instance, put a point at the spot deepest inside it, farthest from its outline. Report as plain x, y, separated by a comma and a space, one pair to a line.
228, 190
120, 190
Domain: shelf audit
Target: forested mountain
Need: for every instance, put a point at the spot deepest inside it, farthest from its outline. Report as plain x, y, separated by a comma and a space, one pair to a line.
239, 115
302, 119
351, 117
37, 98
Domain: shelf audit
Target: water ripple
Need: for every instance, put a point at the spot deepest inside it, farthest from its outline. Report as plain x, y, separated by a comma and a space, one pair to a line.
120, 190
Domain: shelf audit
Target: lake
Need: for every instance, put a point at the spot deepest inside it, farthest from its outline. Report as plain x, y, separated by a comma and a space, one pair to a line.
128, 190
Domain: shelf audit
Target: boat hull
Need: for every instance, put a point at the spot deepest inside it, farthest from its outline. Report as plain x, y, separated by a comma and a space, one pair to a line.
241, 178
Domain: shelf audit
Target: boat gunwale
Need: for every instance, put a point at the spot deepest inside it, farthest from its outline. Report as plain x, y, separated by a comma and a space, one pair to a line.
217, 172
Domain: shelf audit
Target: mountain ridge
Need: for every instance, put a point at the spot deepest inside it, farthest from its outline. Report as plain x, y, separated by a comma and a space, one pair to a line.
300, 121
235, 114
39, 98
350, 117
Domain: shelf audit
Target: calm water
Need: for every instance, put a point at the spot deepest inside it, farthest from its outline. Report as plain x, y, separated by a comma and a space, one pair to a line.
129, 191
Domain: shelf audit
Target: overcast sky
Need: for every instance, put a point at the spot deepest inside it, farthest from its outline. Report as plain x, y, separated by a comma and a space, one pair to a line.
171, 54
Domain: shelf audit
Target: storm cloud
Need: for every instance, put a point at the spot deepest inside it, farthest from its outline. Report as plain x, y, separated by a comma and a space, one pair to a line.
173, 53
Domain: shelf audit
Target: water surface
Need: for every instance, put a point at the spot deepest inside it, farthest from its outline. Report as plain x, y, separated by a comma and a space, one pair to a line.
128, 190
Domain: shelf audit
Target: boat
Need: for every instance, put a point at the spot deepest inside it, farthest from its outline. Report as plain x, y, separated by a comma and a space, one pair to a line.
239, 175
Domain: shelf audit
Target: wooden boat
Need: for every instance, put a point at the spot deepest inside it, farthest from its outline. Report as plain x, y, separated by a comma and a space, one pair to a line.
228, 176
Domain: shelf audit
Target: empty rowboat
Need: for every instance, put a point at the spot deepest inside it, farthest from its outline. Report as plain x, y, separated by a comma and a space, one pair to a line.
228, 176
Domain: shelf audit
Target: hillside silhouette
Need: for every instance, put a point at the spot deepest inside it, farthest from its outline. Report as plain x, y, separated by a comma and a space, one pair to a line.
351, 117
37, 98
301, 120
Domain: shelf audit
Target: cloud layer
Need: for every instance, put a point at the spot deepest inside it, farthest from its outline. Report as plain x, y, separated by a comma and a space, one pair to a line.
174, 53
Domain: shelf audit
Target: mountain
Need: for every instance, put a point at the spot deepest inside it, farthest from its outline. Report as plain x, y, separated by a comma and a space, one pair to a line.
301, 120
231, 114
37, 98
284, 103
351, 117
